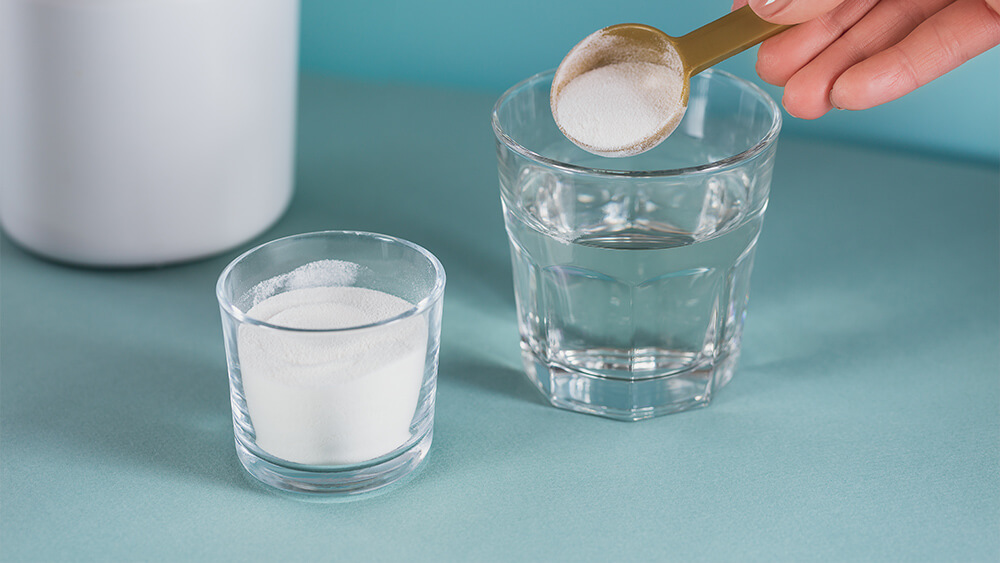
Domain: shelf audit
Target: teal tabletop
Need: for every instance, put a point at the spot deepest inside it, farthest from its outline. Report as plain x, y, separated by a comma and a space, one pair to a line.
863, 423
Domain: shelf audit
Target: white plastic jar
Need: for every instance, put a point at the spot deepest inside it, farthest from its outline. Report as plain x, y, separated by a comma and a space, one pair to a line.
145, 132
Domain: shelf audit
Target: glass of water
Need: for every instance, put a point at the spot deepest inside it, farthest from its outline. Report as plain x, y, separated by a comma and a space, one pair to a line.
631, 275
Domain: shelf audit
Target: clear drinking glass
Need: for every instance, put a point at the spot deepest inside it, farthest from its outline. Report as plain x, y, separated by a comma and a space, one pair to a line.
631, 275
332, 343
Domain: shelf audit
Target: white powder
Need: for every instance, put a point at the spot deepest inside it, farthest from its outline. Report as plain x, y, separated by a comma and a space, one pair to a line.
314, 274
331, 398
621, 109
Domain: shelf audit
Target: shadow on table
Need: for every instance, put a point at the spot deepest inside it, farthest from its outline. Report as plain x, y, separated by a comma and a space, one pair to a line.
165, 420
491, 377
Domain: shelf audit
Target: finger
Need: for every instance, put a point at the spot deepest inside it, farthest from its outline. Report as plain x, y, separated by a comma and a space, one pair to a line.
792, 11
737, 4
784, 54
954, 35
807, 92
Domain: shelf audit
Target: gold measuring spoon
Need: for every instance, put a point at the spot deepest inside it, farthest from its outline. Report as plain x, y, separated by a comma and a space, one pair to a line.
667, 63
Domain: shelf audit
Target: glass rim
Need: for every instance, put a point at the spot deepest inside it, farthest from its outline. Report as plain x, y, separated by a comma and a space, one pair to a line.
418, 308
766, 140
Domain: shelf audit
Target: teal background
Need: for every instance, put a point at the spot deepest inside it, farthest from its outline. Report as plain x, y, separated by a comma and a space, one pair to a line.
490, 45
862, 423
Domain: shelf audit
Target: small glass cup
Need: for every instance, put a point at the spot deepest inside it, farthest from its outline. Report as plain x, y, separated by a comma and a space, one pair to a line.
631, 275
332, 343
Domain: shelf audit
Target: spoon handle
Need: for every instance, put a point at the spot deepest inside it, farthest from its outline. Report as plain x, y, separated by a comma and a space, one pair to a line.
717, 41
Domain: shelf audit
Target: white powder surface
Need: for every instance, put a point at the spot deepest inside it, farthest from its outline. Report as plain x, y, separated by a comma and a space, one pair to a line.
313, 274
621, 109
332, 398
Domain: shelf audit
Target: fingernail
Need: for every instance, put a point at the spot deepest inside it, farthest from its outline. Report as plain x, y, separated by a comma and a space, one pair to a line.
833, 103
768, 8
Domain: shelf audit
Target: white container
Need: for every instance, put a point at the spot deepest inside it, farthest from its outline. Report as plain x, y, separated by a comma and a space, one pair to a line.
144, 132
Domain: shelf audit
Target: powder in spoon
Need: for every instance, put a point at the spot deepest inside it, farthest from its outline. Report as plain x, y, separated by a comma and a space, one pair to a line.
621, 109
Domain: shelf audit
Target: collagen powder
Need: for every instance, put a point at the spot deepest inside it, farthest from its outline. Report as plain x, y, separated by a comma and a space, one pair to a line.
616, 110
329, 397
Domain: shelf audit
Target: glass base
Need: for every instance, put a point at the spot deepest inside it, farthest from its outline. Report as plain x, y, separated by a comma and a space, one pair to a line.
332, 482
628, 399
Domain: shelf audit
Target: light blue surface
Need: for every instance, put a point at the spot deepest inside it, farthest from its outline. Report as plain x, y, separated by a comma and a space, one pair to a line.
863, 424
492, 45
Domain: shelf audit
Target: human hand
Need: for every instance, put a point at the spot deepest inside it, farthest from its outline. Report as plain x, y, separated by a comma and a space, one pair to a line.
857, 54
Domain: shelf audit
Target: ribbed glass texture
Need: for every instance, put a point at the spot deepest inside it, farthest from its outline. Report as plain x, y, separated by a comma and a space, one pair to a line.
632, 275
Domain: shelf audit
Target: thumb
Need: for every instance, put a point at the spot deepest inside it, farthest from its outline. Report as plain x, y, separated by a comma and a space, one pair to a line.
792, 11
